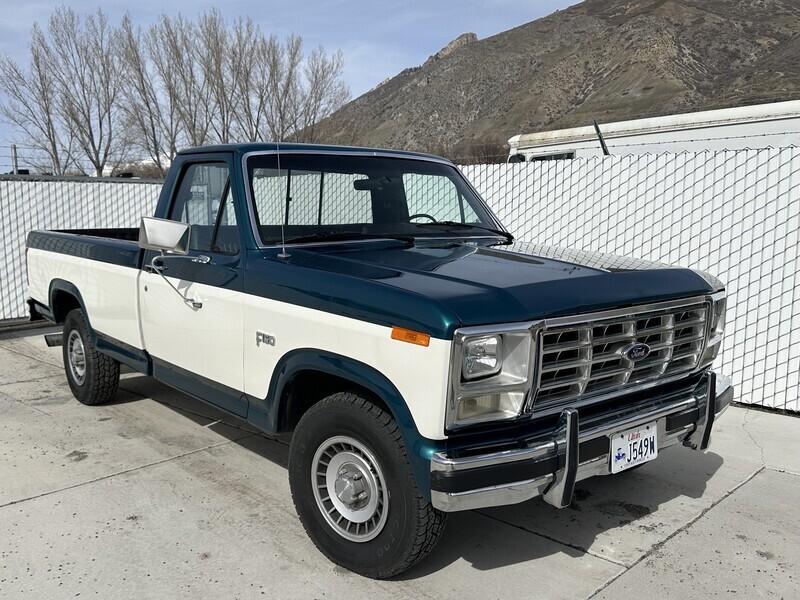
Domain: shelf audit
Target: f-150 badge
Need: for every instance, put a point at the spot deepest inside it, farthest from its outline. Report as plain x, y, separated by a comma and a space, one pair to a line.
264, 338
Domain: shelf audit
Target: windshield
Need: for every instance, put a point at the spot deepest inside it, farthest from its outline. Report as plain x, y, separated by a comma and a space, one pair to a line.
341, 197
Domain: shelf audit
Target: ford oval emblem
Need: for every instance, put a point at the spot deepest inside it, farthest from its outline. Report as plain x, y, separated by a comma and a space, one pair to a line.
637, 352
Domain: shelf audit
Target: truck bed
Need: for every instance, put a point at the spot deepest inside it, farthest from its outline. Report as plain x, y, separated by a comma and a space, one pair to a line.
114, 246
98, 266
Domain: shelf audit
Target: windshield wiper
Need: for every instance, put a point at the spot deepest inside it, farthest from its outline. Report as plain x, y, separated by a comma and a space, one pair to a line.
330, 236
445, 224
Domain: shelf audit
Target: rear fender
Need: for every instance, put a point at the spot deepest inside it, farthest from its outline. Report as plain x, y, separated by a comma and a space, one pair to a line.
133, 357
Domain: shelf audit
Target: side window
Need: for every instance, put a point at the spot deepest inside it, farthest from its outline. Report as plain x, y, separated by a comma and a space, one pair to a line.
205, 201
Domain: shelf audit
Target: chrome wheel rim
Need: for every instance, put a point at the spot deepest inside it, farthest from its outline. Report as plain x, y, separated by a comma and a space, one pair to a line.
77, 357
349, 488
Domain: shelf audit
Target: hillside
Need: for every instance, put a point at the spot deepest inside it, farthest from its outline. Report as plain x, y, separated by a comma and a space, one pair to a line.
608, 59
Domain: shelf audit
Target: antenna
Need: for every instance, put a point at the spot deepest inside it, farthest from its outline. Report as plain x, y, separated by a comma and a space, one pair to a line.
283, 254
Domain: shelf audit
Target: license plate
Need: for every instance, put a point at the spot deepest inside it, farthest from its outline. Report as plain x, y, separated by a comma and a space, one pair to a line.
634, 447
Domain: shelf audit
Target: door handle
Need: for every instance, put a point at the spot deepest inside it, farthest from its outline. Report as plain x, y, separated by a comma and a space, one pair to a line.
156, 267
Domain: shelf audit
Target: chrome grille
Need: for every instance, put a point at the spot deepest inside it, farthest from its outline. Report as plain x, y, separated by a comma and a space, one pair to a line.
584, 359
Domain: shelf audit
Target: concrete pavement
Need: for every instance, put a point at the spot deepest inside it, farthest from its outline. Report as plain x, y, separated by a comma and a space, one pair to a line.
160, 496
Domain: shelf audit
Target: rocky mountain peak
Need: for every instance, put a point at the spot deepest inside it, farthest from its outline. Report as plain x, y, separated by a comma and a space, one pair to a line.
611, 60
459, 42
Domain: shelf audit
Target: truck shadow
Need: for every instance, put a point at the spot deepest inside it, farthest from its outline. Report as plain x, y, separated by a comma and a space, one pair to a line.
618, 517
135, 387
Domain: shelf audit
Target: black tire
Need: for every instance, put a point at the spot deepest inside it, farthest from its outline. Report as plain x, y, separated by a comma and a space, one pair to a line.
404, 529
95, 378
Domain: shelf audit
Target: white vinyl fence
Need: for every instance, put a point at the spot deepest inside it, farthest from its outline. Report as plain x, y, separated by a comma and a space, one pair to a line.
733, 214
28, 203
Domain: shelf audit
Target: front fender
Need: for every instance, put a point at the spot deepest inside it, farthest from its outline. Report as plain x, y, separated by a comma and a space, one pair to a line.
266, 413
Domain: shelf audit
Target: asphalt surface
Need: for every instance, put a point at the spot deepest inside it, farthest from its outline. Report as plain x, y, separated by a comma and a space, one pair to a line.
160, 496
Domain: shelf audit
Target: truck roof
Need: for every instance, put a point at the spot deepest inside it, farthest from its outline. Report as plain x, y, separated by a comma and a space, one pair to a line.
243, 148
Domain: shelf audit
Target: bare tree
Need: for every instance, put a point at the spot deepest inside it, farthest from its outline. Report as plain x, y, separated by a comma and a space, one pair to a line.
149, 108
87, 76
95, 93
250, 59
284, 88
302, 90
179, 39
214, 53
165, 77
324, 92
31, 107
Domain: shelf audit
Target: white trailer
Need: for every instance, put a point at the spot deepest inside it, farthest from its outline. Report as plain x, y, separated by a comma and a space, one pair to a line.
775, 125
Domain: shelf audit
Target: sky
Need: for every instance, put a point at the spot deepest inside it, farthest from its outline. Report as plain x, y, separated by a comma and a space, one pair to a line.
379, 38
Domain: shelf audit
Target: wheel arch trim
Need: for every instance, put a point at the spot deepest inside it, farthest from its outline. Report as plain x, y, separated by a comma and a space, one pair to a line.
133, 357
267, 413
62, 286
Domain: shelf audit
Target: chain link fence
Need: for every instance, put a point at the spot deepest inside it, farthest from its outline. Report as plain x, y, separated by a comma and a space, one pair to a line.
29, 203
734, 214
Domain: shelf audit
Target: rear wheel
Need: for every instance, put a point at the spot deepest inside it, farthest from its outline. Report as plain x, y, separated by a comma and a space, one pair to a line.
354, 491
93, 376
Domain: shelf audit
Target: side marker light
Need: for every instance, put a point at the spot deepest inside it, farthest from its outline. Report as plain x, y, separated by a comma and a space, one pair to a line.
412, 337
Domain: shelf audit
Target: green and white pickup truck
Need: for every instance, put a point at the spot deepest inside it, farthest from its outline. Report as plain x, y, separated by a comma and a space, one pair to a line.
370, 304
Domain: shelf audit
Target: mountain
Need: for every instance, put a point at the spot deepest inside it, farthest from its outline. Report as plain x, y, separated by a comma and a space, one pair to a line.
606, 59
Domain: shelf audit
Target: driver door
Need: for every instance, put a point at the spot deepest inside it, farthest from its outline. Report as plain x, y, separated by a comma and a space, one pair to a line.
191, 311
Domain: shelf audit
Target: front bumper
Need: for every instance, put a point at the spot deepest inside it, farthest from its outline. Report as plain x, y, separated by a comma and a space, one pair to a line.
576, 450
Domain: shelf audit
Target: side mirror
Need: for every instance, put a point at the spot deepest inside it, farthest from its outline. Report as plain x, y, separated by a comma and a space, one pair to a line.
164, 235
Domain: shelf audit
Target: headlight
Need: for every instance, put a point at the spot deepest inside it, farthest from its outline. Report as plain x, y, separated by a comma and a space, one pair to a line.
482, 357
502, 358
491, 374
716, 328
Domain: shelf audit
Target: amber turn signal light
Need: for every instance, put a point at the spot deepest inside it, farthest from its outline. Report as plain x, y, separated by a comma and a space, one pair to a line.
412, 337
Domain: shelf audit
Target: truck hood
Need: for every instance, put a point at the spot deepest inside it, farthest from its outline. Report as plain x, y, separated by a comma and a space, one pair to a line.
473, 284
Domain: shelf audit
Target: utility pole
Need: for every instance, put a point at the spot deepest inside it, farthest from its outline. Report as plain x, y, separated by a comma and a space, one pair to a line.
14, 165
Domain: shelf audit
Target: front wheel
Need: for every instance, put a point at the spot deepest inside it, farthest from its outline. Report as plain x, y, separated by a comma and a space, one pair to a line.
93, 376
354, 491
